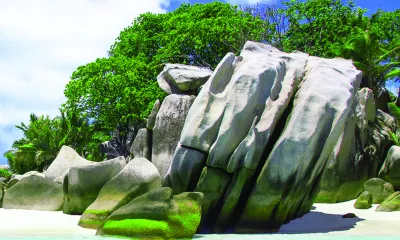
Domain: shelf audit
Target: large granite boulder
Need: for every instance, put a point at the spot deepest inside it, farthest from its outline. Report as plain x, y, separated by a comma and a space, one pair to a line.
141, 145
34, 193
157, 214
138, 177
182, 174
268, 121
356, 155
169, 123
379, 189
390, 170
66, 158
180, 79
364, 201
390, 204
82, 184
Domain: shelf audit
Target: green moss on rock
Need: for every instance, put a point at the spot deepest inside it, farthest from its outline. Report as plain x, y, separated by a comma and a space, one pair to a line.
379, 189
392, 203
156, 215
364, 201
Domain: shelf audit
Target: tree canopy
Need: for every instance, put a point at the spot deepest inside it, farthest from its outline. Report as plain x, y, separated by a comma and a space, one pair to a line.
119, 91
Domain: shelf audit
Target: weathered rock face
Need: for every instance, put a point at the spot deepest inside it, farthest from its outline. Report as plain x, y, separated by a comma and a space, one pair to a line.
157, 214
138, 177
17, 177
390, 170
267, 122
34, 193
141, 145
364, 201
83, 183
167, 130
356, 156
382, 100
180, 79
379, 189
392, 203
66, 158
152, 118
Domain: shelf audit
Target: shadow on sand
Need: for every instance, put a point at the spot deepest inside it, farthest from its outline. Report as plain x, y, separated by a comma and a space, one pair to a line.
313, 222
318, 222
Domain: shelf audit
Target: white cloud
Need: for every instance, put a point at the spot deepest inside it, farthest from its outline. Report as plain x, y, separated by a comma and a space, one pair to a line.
43, 41
250, 2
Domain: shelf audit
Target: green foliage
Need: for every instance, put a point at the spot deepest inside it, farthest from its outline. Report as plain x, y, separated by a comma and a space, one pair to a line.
318, 26
44, 137
395, 112
120, 90
113, 91
200, 34
333, 28
5, 173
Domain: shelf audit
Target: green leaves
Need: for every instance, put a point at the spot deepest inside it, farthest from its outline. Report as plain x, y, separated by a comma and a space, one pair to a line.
121, 89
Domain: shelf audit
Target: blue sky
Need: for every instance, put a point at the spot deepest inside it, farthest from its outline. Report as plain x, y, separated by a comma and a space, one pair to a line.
43, 41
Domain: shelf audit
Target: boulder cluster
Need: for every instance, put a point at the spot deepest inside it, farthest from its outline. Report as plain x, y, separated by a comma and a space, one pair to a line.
244, 148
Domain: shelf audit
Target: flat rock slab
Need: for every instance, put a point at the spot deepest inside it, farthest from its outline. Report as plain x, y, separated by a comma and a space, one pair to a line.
178, 78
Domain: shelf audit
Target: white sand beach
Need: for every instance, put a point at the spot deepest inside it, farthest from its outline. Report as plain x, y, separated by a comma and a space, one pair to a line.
323, 220
40, 223
327, 218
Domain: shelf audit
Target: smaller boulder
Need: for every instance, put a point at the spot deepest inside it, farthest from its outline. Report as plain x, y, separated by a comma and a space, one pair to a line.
379, 189
66, 158
178, 78
83, 183
391, 204
364, 201
349, 215
34, 193
141, 145
157, 214
138, 177
390, 170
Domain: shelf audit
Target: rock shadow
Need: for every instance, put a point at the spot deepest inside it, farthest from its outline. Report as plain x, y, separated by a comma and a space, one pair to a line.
318, 222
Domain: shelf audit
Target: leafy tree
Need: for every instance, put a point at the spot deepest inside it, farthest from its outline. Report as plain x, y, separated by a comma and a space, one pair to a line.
120, 90
318, 26
199, 34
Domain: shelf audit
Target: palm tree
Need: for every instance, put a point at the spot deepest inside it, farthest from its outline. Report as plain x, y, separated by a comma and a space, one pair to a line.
364, 48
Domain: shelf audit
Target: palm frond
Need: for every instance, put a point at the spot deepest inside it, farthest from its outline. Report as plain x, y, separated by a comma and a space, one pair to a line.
394, 73
395, 138
394, 111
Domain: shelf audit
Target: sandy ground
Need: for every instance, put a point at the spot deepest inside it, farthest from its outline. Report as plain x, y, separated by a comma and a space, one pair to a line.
323, 221
40, 223
327, 218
